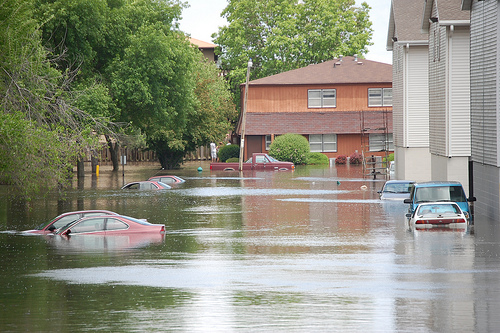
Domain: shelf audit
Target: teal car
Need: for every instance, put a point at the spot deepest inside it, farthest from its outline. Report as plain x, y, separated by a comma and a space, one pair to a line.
439, 191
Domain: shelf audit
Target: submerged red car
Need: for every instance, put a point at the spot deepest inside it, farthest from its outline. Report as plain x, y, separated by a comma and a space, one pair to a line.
109, 225
167, 179
146, 185
63, 219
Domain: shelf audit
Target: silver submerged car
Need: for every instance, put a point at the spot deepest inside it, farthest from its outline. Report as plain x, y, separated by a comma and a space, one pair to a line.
396, 190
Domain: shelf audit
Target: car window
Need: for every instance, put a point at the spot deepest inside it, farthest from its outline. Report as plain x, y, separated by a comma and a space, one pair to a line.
166, 180
439, 193
260, 159
65, 220
88, 225
397, 187
115, 224
134, 186
438, 209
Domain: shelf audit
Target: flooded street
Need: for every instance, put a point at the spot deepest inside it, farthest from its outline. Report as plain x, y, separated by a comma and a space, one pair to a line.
313, 250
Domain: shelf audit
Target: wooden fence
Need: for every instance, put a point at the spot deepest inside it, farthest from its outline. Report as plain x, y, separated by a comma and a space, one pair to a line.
141, 155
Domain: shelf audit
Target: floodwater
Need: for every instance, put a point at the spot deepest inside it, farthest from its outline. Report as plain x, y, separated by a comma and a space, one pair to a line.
313, 250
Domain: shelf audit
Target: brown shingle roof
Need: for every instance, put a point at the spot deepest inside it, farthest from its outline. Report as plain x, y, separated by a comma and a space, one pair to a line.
339, 122
448, 11
201, 44
333, 72
407, 19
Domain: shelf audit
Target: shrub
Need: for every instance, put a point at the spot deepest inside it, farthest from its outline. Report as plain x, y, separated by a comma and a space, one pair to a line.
317, 158
228, 151
355, 158
233, 160
341, 159
290, 148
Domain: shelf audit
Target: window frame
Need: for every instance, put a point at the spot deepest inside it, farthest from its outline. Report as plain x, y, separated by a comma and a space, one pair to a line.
382, 99
374, 140
322, 100
322, 143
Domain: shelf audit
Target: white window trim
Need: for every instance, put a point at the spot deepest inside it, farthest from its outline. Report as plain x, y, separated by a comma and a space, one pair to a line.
321, 98
323, 143
381, 142
385, 97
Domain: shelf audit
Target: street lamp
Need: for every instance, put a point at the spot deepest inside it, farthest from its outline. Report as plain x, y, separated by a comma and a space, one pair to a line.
243, 116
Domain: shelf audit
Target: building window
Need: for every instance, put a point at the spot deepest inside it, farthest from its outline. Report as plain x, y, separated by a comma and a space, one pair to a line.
381, 142
321, 98
379, 96
323, 142
268, 141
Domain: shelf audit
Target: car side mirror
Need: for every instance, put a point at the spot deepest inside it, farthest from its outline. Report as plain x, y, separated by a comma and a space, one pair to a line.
407, 201
408, 215
471, 199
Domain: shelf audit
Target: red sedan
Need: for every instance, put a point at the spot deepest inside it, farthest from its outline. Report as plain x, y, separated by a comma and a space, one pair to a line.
64, 219
109, 225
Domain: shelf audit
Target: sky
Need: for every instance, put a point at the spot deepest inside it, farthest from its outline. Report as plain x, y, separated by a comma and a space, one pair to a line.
203, 18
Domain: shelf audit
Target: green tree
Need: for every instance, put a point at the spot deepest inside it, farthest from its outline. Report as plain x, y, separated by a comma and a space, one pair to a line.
41, 132
281, 35
137, 71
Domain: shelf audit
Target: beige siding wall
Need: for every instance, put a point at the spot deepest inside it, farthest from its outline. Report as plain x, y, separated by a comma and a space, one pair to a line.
459, 94
484, 77
417, 97
397, 95
438, 120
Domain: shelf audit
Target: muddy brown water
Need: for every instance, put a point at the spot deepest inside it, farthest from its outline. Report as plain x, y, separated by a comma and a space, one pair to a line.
313, 250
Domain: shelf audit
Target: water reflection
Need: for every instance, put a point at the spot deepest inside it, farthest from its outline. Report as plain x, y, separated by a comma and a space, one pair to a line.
97, 243
309, 251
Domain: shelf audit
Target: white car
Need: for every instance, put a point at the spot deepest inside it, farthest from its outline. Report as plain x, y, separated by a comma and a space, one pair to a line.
437, 214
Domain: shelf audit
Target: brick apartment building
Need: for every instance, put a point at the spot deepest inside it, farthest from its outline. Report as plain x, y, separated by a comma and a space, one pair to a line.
341, 106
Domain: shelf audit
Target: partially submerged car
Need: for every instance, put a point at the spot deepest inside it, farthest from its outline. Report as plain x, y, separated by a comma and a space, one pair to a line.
438, 214
56, 223
167, 179
396, 190
146, 185
444, 191
109, 225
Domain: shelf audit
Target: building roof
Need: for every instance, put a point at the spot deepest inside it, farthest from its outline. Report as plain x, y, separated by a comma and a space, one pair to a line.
339, 122
348, 70
449, 12
201, 44
405, 23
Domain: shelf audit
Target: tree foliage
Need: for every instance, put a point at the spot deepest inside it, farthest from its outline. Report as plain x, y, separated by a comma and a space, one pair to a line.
281, 35
139, 71
41, 133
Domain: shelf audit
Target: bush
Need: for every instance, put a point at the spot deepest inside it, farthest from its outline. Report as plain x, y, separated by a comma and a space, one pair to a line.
341, 159
355, 158
228, 151
290, 148
317, 158
233, 160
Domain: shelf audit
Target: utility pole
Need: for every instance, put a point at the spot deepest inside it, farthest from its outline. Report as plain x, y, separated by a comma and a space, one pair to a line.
243, 116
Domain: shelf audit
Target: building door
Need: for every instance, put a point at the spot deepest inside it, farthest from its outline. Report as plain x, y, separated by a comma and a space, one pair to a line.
253, 145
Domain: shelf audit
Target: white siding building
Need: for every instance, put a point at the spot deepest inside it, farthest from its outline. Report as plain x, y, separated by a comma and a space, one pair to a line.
449, 89
485, 106
410, 90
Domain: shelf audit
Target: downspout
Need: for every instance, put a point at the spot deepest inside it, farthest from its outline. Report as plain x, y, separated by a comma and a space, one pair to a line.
406, 94
449, 64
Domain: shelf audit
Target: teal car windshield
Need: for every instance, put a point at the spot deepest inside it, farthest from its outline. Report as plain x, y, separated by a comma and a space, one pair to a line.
440, 193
